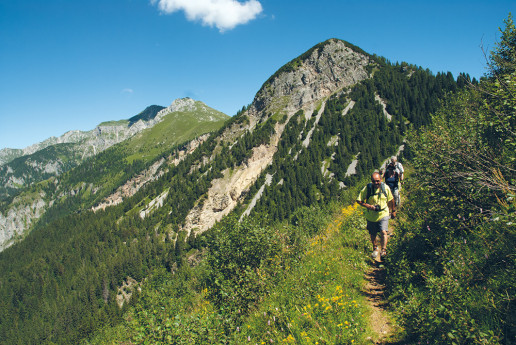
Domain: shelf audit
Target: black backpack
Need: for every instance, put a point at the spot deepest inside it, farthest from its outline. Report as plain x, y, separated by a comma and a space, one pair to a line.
370, 190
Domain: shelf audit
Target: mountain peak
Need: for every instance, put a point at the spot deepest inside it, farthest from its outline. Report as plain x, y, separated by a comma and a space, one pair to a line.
188, 104
183, 104
325, 68
147, 114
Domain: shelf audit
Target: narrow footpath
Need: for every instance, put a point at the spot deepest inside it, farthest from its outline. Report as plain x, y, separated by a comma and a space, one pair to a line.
387, 333
374, 291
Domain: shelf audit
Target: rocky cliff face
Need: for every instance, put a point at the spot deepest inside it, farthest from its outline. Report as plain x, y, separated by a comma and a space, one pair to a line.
324, 69
308, 82
20, 216
226, 192
7, 155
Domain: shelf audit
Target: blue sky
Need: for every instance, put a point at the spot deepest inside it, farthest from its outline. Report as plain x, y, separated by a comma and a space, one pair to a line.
72, 64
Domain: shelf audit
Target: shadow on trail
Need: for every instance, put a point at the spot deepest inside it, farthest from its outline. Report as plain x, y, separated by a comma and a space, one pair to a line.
388, 333
375, 291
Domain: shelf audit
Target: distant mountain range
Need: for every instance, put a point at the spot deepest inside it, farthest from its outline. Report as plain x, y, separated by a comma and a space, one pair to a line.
54, 156
183, 120
75, 136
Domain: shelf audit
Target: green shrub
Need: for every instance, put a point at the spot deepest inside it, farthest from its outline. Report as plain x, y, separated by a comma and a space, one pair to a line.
452, 273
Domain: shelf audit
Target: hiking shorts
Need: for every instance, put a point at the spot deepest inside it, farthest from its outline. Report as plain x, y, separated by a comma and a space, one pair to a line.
375, 227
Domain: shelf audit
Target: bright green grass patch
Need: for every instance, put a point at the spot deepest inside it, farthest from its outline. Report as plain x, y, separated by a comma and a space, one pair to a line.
175, 128
320, 300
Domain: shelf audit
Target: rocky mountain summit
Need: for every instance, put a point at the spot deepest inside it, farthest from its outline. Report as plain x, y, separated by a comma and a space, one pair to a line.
312, 77
302, 84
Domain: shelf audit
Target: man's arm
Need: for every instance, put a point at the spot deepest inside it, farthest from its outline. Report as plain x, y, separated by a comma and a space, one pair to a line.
392, 205
366, 205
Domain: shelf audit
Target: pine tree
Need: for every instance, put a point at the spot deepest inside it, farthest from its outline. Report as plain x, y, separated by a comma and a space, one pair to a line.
503, 57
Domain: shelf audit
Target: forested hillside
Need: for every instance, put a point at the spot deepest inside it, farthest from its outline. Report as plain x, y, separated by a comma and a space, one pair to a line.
62, 283
352, 126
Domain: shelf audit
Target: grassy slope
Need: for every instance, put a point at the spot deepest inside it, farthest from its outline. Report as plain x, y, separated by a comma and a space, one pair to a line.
312, 292
176, 128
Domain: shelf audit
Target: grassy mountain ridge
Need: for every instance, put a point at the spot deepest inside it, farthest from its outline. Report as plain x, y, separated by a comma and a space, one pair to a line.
61, 283
98, 176
49, 158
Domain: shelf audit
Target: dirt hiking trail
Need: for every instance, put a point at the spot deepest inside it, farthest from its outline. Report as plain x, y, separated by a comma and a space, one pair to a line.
381, 322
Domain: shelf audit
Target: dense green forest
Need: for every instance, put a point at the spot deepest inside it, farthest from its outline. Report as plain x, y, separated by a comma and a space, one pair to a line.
364, 130
59, 285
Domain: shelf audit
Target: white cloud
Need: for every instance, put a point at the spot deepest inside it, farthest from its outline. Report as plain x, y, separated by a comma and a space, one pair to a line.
223, 14
127, 91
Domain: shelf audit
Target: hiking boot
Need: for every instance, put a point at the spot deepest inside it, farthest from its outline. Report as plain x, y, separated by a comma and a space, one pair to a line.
375, 254
383, 254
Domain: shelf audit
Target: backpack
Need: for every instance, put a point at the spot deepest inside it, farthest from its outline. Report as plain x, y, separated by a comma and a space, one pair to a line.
389, 182
370, 190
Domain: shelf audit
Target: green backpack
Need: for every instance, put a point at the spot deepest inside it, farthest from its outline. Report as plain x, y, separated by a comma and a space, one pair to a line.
370, 190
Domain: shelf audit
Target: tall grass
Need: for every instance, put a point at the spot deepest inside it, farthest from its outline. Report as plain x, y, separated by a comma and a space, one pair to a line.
319, 300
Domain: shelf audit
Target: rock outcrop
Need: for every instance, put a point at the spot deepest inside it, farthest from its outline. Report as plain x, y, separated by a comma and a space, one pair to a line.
226, 192
328, 67
24, 211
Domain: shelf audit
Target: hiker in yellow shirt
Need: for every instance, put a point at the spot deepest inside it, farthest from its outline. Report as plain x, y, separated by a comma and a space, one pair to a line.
377, 198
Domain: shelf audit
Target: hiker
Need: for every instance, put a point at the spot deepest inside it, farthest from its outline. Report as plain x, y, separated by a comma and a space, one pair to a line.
391, 178
398, 167
378, 200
